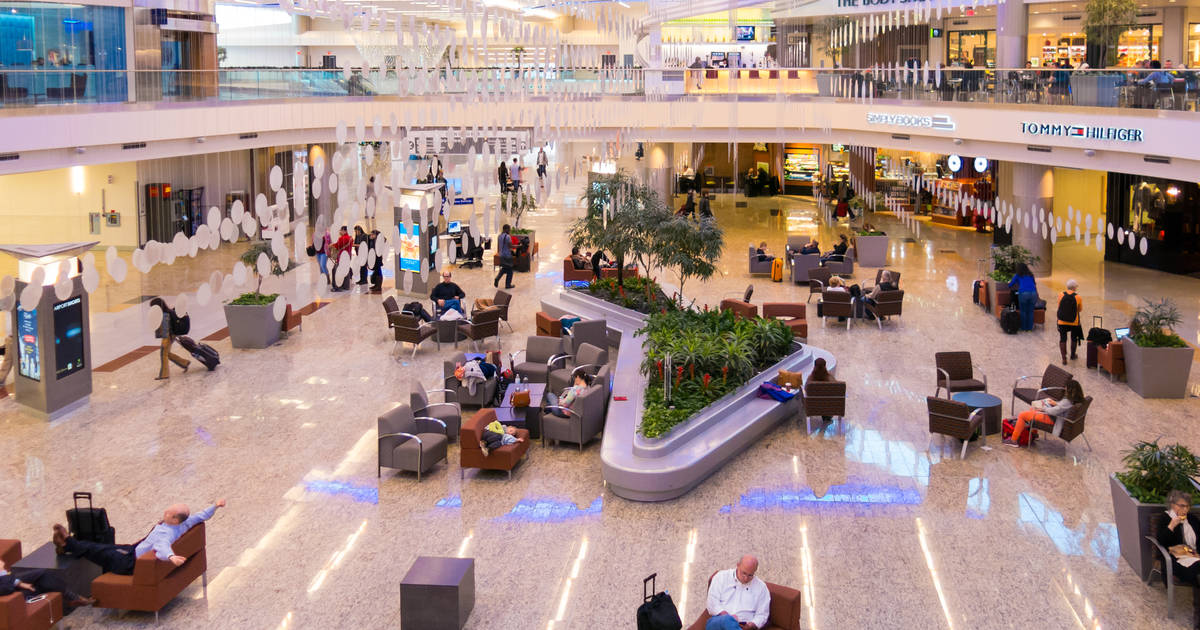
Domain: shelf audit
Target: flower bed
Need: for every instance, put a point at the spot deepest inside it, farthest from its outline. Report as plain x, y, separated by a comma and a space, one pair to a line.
712, 354
637, 294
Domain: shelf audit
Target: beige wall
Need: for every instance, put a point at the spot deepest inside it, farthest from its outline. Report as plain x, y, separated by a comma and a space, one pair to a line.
1086, 192
37, 208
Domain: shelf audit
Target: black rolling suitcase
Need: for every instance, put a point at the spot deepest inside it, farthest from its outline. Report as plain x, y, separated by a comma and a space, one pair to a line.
657, 611
202, 352
90, 523
1010, 319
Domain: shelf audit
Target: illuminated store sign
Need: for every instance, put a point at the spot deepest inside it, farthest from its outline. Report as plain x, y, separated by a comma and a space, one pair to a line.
940, 122
1084, 132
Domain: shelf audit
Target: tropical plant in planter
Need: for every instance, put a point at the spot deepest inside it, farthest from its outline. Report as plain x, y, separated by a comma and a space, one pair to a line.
1140, 491
1104, 21
1005, 259
250, 316
1158, 361
515, 204
615, 220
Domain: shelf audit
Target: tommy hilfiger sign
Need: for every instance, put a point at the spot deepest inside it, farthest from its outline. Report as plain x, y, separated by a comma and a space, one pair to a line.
1083, 132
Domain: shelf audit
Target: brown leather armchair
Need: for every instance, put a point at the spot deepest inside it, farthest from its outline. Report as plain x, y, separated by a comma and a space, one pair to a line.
786, 608
155, 582
818, 279
571, 274
742, 309
1112, 359
546, 325
15, 612
954, 419
792, 315
504, 458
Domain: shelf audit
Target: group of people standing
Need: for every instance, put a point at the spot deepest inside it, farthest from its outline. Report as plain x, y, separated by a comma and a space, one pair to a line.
509, 176
326, 249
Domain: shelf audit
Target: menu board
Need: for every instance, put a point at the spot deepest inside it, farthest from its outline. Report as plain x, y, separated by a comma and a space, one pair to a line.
68, 337
29, 364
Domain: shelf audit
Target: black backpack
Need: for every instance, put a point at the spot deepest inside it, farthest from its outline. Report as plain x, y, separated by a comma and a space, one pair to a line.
657, 611
1068, 307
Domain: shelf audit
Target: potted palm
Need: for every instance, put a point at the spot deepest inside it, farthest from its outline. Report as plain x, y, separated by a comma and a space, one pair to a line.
1157, 361
1139, 495
250, 316
1005, 259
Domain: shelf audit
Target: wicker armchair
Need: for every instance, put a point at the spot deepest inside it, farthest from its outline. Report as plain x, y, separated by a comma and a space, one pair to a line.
818, 279
888, 304
894, 274
1164, 566
501, 301
410, 329
1067, 426
824, 398
954, 419
836, 304
483, 324
956, 373
1053, 385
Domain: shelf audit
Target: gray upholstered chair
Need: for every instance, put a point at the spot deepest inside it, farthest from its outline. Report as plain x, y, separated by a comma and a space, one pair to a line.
448, 411
593, 331
407, 442
802, 265
843, 267
589, 359
891, 272
541, 355
795, 243
484, 394
585, 418
757, 266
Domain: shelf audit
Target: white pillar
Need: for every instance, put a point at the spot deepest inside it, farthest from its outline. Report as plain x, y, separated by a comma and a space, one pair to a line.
1030, 187
1174, 38
1012, 31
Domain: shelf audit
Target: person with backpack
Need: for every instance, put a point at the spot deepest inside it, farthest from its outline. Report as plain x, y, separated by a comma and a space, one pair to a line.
1070, 305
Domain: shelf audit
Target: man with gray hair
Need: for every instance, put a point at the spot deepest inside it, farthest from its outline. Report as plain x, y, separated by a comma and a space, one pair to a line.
1070, 305
737, 600
120, 559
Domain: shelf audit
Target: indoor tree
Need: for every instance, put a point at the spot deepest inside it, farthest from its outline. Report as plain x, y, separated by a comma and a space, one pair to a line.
613, 220
689, 248
1103, 23
828, 28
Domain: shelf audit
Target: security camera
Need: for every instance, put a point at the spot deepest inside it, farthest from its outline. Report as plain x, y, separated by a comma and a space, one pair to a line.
201, 140
1089, 152
958, 141
80, 150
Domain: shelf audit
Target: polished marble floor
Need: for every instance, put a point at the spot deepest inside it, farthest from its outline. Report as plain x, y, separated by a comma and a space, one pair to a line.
878, 525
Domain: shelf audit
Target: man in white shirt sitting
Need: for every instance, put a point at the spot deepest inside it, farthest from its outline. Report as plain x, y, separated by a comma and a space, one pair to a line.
737, 600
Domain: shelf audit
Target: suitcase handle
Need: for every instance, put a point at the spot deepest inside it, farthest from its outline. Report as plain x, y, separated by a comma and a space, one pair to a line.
1094, 319
652, 583
82, 495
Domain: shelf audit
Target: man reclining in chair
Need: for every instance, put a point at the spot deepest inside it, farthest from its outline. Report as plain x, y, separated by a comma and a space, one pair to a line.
120, 559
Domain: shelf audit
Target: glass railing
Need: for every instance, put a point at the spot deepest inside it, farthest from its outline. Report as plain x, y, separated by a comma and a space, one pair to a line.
1170, 89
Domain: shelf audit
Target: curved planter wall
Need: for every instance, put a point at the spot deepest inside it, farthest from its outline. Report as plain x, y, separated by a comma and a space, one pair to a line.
664, 468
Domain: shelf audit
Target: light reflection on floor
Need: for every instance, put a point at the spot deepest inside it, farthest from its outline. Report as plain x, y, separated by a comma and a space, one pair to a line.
794, 498
551, 510
360, 494
1034, 511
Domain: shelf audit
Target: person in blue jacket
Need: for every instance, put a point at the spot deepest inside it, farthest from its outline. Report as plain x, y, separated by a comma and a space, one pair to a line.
1025, 292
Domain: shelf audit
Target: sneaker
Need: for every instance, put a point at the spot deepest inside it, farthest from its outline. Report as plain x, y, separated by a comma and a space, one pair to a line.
1010, 442
483, 447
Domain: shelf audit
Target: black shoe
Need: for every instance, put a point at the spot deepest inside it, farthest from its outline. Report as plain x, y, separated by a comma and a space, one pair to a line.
510, 286
496, 282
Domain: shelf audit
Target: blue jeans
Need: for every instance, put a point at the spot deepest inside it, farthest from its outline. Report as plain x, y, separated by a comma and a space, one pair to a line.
724, 622
1027, 300
322, 262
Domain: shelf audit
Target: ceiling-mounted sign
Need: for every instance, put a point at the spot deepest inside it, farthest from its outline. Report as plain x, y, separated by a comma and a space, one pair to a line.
936, 122
1084, 132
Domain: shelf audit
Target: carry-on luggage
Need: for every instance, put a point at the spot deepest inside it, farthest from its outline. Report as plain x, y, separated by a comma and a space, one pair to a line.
1010, 319
1006, 430
657, 611
202, 352
975, 288
90, 523
1091, 361
777, 270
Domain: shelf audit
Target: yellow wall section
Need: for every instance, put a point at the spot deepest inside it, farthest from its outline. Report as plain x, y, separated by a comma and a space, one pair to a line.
1083, 190
37, 208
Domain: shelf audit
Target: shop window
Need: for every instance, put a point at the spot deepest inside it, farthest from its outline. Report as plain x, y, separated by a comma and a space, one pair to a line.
1164, 212
1193, 45
977, 47
1139, 43
62, 46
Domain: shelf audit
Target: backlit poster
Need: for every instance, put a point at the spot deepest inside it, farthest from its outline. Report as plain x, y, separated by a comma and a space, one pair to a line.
410, 248
29, 363
68, 337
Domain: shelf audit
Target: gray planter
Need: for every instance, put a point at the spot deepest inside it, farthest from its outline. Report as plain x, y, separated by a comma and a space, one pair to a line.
1133, 520
251, 326
1095, 90
871, 251
1157, 372
824, 85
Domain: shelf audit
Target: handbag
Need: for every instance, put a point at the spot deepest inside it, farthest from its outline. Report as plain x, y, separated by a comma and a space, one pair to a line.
520, 399
771, 390
310, 250
180, 325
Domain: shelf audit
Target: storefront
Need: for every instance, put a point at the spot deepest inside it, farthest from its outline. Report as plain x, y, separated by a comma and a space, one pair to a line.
1166, 213
1192, 56
1059, 37
53, 51
977, 47
800, 167
710, 38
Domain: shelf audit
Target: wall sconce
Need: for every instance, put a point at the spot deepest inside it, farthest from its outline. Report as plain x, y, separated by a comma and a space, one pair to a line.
77, 180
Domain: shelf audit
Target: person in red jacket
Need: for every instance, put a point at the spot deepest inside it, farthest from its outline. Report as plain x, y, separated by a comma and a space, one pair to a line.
343, 244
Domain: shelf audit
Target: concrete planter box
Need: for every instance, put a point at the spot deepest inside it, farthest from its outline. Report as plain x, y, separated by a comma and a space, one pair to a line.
1157, 372
825, 85
251, 326
1133, 520
871, 251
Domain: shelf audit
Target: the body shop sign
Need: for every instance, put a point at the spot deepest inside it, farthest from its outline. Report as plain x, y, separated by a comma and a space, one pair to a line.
936, 122
1083, 132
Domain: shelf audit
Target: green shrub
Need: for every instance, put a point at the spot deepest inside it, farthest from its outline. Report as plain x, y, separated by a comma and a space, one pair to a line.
1152, 471
726, 349
254, 298
637, 294
1153, 325
1005, 259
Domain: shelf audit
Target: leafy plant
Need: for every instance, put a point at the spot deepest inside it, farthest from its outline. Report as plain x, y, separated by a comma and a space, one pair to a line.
250, 259
828, 28
621, 217
1154, 323
639, 294
690, 249
1104, 21
1005, 259
254, 298
717, 353
1152, 471
516, 203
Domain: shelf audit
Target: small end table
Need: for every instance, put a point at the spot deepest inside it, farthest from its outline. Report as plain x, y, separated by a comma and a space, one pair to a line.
533, 413
991, 406
448, 332
437, 593
77, 573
